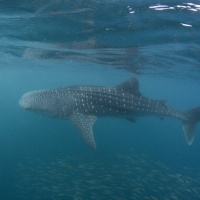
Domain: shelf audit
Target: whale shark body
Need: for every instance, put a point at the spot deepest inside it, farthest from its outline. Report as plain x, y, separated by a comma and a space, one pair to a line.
83, 104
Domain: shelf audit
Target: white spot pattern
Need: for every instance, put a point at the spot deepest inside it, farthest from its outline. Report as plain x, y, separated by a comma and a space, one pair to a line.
94, 101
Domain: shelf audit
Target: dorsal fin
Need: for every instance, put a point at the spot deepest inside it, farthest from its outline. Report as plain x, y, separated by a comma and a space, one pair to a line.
131, 85
163, 103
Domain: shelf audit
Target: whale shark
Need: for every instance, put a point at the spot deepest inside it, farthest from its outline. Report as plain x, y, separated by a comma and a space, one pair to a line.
84, 104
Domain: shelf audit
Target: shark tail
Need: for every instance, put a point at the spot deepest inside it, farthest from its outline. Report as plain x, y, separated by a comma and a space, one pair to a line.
189, 125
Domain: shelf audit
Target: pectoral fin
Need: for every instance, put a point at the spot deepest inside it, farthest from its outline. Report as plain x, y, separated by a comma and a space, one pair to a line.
85, 123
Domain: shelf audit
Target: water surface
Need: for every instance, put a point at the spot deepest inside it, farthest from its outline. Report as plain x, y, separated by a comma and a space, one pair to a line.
48, 44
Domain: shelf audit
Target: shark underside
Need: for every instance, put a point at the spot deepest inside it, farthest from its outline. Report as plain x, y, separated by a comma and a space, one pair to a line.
83, 104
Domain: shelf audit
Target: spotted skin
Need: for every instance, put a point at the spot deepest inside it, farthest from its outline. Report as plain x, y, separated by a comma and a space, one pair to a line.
82, 105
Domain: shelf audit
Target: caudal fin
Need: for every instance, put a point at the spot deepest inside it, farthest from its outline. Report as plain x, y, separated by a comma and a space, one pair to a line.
189, 125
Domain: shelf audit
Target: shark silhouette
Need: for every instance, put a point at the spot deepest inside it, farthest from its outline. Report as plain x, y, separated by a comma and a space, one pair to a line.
83, 104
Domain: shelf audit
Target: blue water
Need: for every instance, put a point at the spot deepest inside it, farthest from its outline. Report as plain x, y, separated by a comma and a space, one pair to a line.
54, 43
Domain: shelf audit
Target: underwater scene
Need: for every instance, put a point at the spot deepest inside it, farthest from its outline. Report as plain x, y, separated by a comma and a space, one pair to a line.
100, 99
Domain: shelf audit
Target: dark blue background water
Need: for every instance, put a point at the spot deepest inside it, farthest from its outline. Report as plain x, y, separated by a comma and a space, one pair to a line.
48, 44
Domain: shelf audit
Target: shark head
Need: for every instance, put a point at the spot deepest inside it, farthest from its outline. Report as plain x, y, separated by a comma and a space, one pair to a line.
47, 102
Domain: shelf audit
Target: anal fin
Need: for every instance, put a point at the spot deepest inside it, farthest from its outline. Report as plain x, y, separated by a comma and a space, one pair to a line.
131, 119
85, 123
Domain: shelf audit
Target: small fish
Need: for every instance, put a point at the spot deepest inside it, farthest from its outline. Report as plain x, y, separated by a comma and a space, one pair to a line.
83, 104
